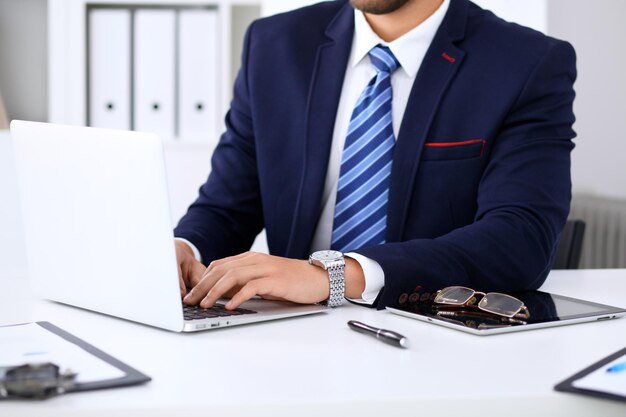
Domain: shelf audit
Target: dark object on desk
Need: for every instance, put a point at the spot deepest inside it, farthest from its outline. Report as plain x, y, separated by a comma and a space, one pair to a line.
545, 310
37, 381
218, 310
131, 375
539, 306
570, 245
568, 384
386, 336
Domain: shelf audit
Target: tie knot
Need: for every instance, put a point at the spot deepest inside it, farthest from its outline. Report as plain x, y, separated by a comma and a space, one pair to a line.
383, 59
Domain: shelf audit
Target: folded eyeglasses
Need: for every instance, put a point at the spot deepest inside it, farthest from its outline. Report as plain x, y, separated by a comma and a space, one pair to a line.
492, 302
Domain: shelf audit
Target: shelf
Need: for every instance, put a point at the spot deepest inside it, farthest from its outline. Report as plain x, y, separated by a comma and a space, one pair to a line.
68, 50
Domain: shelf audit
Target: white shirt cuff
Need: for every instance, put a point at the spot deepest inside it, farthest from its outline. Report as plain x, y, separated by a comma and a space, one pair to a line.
196, 252
374, 278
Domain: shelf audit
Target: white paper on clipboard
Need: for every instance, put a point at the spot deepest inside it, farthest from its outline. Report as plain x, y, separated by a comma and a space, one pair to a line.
31, 343
603, 380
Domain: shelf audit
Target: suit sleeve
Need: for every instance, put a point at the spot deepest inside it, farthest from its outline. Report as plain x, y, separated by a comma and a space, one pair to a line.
523, 199
227, 215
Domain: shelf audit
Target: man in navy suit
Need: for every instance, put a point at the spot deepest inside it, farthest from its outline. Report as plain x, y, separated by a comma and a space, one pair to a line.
479, 187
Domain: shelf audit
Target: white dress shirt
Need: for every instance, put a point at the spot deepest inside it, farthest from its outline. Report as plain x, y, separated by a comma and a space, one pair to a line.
409, 50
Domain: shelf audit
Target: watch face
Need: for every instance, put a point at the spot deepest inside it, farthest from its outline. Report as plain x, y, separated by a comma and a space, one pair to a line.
327, 255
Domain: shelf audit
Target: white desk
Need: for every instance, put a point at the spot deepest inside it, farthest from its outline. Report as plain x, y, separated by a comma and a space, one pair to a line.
316, 366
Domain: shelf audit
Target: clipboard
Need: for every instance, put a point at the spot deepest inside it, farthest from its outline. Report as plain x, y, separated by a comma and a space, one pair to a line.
131, 376
568, 384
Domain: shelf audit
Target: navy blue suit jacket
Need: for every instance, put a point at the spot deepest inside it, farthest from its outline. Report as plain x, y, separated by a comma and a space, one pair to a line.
480, 186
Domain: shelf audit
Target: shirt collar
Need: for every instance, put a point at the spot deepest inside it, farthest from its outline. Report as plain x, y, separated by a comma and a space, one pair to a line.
413, 43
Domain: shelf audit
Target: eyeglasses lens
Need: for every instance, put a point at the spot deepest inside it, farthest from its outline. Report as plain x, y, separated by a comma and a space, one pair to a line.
454, 295
501, 304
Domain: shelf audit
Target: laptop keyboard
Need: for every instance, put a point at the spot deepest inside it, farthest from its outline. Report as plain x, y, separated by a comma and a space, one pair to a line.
218, 310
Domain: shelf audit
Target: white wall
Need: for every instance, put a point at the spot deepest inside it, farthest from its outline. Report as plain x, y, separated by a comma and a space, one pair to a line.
597, 31
23, 85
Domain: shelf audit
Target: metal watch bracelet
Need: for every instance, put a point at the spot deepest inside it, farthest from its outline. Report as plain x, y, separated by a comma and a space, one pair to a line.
337, 284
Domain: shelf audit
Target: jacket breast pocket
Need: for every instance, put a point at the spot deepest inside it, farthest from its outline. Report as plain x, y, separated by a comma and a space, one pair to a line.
449, 151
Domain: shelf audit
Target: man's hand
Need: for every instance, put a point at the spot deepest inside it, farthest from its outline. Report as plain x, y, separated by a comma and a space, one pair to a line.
243, 276
189, 269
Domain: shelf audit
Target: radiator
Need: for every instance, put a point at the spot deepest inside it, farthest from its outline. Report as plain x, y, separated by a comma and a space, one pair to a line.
604, 243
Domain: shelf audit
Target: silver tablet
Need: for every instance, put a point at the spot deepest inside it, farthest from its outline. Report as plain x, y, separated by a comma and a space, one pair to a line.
545, 310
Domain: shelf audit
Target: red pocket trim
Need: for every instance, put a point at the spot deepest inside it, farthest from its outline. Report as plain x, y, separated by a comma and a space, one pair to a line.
450, 144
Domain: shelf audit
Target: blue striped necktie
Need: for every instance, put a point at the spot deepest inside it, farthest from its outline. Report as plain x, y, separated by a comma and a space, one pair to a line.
361, 208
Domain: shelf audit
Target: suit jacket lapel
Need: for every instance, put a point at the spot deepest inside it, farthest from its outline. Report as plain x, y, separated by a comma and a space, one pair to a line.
323, 100
440, 64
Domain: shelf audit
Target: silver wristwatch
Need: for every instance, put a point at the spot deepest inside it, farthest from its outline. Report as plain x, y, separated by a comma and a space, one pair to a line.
333, 262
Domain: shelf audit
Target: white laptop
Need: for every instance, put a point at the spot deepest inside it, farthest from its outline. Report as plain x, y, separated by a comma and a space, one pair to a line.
98, 232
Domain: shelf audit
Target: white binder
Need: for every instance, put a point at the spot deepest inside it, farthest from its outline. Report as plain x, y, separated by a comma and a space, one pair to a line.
154, 76
198, 94
109, 68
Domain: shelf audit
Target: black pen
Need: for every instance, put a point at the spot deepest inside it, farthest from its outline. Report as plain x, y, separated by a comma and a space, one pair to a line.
387, 336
